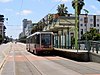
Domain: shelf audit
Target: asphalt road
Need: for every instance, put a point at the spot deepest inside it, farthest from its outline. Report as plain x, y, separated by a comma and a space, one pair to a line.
21, 62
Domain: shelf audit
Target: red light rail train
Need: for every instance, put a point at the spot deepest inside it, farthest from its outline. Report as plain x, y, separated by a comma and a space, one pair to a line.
40, 42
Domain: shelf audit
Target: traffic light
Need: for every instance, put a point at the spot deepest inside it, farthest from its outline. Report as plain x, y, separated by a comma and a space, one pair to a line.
1, 18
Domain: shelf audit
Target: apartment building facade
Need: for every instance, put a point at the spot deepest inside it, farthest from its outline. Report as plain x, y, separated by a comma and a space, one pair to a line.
2, 25
93, 21
26, 23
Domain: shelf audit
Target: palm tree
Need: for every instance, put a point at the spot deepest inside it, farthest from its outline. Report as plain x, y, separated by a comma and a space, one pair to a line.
80, 5
62, 10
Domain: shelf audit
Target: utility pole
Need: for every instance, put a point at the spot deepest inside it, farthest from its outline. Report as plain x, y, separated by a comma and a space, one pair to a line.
76, 24
86, 21
77, 5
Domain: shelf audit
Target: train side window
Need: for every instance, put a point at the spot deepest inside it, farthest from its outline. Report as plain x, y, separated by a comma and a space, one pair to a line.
34, 39
38, 39
31, 40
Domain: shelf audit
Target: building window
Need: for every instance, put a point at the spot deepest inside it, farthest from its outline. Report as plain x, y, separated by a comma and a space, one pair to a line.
97, 25
85, 30
81, 19
97, 20
97, 30
91, 20
81, 24
91, 25
85, 25
81, 31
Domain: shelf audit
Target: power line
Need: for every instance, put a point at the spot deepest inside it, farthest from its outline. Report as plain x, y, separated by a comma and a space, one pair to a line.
21, 5
13, 25
55, 5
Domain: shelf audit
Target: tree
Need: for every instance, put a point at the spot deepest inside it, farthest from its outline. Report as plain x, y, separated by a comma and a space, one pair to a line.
1, 18
80, 5
62, 10
23, 39
91, 35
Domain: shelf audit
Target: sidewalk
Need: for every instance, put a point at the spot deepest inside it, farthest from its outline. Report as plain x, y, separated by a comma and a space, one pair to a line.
79, 55
71, 50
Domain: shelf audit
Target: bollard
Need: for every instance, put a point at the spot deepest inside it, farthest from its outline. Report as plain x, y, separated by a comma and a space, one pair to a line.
88, 47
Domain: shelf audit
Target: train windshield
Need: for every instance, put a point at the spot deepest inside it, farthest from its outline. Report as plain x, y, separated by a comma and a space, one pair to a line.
45, 39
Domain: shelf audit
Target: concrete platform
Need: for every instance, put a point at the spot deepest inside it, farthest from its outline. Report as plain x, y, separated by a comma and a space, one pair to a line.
94, 57
78, 55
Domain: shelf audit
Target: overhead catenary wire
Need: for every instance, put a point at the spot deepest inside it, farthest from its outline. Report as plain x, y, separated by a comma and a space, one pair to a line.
13, 25
18, 26
21, 6
55, 5
19, 10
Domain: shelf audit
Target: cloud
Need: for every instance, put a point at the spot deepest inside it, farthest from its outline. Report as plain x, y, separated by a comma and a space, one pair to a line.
96, 10
5, 1
93, 7
7, 9
24, 12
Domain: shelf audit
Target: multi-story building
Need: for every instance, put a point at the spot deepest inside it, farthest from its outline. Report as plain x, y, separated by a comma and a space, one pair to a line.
1, 24
29, 29
93, 21
2, 27
25, 23
21, 35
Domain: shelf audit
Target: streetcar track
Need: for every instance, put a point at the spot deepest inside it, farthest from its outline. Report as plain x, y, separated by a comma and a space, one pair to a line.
68, 66
74, 67
34, 66
30, 63
27, 65
14, 60
4, 60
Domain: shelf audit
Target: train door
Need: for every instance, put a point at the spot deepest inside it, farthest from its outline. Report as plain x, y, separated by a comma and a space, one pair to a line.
51, 41
37, 44
38, 41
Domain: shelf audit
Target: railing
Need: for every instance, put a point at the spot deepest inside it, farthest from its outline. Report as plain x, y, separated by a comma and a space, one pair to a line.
92, 46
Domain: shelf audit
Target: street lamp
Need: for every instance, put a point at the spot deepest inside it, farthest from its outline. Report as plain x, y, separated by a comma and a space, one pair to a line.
86, 21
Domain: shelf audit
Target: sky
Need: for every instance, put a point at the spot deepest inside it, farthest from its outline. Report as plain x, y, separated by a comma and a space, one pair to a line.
35, 10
